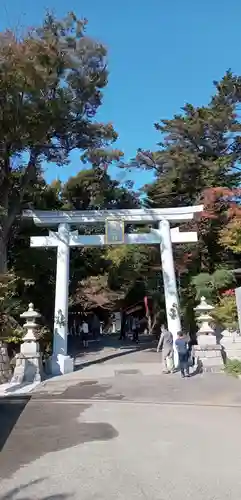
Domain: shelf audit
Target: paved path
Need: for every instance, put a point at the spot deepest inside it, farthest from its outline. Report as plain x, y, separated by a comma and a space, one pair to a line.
207, 389
127, 436
110, 357
112, 351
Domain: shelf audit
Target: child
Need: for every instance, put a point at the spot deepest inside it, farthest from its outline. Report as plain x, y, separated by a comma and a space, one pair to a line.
183, 351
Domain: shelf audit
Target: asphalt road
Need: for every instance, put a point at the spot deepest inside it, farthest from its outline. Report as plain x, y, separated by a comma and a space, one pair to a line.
128, 437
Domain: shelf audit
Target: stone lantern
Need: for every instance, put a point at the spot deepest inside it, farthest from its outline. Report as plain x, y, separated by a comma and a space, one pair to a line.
205, 333
208, 353
28, 367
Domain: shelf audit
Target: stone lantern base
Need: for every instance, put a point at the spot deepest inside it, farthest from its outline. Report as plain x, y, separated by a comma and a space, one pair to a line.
209, 357
5, 369
231, 343
28, 368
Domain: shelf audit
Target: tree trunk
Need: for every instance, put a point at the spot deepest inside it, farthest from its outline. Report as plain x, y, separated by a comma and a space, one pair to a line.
3, 255
11, 199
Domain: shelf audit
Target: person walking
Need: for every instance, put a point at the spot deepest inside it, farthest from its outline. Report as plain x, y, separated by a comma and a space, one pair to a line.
135, 330
183, 353
95, 324
165, 345
191, 356
123, 326
85, 333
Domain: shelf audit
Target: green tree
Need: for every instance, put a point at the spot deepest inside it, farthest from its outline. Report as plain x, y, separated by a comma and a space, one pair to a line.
211, 286
90, 268
10, 307
198, 158
51, 82
136, 271
198, 153
93, 189
35, 268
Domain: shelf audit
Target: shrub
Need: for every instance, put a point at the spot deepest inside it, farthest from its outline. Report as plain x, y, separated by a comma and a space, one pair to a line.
233, 367
226, 312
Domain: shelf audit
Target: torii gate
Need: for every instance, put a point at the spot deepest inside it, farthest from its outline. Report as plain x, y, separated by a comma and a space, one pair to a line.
115, 234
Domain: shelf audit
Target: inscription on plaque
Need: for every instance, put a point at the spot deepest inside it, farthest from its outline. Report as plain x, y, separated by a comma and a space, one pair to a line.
114, 231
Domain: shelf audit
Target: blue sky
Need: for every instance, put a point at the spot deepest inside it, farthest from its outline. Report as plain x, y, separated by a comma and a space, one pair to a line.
162, 54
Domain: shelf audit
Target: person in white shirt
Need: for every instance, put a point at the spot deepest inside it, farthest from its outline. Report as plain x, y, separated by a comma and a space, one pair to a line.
166, 345
85, 333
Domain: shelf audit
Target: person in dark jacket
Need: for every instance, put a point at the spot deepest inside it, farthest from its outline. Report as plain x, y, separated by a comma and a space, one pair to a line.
183, 353
123, 326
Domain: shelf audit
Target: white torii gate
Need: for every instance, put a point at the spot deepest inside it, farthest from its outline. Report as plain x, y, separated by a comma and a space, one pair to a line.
64, 239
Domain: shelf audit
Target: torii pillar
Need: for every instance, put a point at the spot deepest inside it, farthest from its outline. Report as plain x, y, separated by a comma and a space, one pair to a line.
170, 283
61, 362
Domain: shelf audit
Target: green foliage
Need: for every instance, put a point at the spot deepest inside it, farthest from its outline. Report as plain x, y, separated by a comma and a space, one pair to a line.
226, 312
230, 235
51, 82
198, 160
87, 190
126, 267
15, 335
204, 285
211, 285
93, 189
223, 279
198, 153
195, 155
10, 307
233, 367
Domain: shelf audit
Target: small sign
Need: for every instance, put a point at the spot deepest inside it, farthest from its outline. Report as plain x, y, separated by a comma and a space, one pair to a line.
114, 231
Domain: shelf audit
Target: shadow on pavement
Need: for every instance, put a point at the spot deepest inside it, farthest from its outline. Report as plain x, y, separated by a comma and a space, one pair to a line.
11, 494
84, 390
124, 348
46, 428
10, 410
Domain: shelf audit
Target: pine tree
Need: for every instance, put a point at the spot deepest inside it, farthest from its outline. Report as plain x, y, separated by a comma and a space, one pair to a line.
198, 161
198, 158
